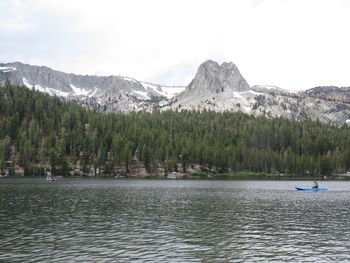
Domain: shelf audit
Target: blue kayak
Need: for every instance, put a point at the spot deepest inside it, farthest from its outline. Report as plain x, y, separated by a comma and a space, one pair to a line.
311, 189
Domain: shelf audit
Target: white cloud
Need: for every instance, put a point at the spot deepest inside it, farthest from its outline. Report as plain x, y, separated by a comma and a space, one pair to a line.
292, 44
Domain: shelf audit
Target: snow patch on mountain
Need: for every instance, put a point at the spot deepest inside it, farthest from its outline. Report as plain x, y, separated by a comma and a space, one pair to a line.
93, 92
165, 91
142, 93
151, 87
50, 91
130, 79
172, 91
247, 109
7, 69
27, 84
79, 91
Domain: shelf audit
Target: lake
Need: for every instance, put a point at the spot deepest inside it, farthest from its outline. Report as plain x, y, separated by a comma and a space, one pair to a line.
134, 220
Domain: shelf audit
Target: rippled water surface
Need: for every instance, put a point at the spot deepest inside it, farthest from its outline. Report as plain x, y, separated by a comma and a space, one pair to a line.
106, 220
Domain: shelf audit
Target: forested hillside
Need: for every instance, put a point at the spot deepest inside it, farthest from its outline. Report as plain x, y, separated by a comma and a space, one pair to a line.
38, 131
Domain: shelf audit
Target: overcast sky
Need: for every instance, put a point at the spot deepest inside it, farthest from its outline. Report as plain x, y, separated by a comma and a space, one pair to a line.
293, 44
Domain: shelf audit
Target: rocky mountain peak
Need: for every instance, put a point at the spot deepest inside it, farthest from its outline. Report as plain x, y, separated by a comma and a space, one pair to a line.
214, 78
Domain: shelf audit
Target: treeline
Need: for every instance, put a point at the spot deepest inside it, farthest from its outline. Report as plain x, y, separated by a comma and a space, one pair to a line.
38, 131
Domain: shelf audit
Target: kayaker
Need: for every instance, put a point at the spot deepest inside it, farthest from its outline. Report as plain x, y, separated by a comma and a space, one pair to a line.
315, 185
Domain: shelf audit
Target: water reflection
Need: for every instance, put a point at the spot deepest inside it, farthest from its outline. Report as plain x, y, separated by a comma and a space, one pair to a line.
104, 220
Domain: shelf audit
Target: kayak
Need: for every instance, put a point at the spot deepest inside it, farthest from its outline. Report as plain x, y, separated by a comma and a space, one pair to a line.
311, 189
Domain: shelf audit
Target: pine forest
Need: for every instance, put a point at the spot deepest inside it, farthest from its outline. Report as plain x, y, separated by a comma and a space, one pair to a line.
39, 133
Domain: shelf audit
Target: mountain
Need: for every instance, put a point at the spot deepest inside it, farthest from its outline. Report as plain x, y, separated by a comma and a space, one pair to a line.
215, 87
222, 88
212, 82
212, 78
107, 93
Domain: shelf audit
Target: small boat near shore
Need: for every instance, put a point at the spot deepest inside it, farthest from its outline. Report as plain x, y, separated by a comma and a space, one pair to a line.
50, 178
171, 176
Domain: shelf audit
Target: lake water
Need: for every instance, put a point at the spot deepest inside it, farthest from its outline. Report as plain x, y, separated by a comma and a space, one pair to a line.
110, 220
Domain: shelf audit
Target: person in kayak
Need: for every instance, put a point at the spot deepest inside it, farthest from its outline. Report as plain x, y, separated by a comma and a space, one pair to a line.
315, 185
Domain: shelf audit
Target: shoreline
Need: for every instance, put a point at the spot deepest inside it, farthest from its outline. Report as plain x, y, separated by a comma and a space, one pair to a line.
196, 177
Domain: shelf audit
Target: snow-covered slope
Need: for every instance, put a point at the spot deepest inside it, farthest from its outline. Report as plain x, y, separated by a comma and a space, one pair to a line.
165, 91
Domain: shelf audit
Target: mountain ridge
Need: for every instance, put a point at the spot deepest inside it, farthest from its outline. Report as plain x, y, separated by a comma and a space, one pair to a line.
106, 93
214, 87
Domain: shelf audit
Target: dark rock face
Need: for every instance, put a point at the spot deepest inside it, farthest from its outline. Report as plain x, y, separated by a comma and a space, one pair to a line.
330, 93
